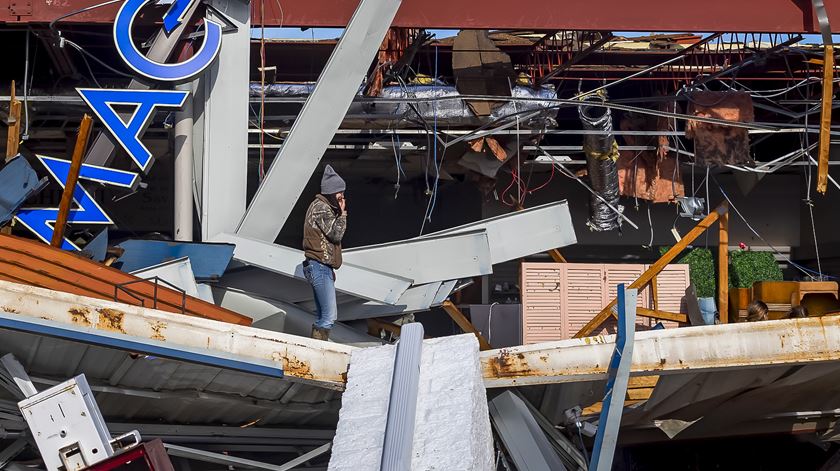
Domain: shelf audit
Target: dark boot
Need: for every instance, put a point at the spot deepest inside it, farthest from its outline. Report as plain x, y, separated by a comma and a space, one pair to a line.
320, 334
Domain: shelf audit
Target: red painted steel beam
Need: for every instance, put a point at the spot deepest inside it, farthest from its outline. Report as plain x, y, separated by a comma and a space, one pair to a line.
782, 16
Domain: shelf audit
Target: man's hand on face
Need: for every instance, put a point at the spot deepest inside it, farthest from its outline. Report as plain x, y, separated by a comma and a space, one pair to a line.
342, 203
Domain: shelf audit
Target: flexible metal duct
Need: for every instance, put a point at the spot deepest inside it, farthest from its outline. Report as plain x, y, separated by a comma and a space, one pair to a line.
601, 155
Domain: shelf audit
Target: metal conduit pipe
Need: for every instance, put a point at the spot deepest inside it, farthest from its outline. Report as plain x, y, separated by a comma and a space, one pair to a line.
601, 151
183, 221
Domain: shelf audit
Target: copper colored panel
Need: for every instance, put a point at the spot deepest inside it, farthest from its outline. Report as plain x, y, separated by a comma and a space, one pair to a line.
30, 262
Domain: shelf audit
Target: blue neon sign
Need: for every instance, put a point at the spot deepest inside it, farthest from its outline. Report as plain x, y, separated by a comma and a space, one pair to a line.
157, 70
41, 220
127, 133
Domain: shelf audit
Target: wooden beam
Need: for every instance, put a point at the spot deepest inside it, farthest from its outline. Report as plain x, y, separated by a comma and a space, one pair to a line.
723, 268
13, 135
657, 267
72, 178
825, 119
664, 315
375, 325
557, 256
654, 291
464, 323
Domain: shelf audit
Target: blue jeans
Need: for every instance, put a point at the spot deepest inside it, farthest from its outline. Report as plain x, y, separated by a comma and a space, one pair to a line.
320, 276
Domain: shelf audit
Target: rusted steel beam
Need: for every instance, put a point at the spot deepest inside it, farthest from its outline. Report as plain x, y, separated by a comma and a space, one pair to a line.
669, 351
305, 360
72, 178
771, 16
38, 264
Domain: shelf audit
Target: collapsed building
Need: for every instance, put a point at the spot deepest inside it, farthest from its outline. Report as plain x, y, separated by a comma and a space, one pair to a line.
501, 183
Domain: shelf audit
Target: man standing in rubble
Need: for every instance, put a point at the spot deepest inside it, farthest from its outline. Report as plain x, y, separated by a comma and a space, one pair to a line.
323, 228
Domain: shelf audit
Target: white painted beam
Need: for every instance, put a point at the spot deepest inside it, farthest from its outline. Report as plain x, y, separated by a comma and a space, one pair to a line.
318, 121
669, 351
224, 116
303, 359
522, 233
358, 281
430, 259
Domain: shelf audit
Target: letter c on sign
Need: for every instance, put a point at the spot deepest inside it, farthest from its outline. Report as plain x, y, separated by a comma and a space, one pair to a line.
157, 70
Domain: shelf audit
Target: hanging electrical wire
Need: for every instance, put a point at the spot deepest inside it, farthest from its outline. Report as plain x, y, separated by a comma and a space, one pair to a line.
804, 270
430, 207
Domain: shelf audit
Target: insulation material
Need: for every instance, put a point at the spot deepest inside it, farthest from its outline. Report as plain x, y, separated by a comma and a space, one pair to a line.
438, 100
649, 175
481, 68
558, 299
718, 145
601, 155
659, 183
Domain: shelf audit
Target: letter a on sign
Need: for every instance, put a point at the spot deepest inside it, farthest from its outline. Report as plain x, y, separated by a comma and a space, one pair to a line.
41, 220
142, 104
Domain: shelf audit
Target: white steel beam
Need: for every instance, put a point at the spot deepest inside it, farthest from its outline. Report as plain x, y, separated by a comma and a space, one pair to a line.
315, 362
669, 351
521, 233
358, 281
318, 121
224, 164
416, 298
430, 259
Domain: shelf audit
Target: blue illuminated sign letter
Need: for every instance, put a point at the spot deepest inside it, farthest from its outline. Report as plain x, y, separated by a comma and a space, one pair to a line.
144, 102
41, 220
158, 70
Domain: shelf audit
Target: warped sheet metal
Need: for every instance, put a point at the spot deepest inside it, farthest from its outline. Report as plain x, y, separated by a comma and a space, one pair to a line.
208, 260
358, 281
414, 299
302, 359
527, 444
429, 259
522, 233
278, 316
177, 272
33, 263
18, 182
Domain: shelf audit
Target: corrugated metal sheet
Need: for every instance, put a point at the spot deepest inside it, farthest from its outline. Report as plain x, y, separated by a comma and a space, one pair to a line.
141, 388
33, 263
558, 299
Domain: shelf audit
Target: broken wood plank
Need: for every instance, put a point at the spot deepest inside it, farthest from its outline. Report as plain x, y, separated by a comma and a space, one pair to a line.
825, 119
642, 382
664, 315
723, 268
639, 394
464, 323
13, 135
72, 178
557, 256
657, 267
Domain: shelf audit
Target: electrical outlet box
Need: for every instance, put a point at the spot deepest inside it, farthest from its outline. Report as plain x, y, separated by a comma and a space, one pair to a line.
67, 426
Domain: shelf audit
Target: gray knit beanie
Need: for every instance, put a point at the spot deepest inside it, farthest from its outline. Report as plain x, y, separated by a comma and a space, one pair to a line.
331, 183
